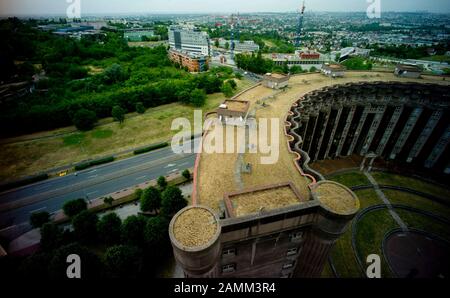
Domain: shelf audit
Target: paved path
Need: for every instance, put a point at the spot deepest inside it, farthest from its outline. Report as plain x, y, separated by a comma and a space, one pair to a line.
385, 200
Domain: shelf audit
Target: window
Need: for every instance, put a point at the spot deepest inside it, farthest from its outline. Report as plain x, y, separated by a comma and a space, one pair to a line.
292, 251
297, 236
288, 265
229, 252
228, 268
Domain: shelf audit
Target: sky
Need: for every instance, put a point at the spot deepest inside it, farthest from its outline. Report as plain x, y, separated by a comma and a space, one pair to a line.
59, 7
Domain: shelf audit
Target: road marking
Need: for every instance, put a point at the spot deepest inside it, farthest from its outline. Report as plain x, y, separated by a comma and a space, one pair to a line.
93, 171
139, 178
42, 187
183, 164
170, 165
93, 176
92, 192
174, 170
38, 209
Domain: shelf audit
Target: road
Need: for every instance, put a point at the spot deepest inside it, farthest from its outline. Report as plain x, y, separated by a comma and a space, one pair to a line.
50, 195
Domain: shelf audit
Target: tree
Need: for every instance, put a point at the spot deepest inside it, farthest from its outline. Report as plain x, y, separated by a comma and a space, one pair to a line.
123, 261
172, 201
186, 174
313, 69
238, 75
227, 45
118, 114
156, 235
227, 90
51, 236
109, 228
37, 219
84, 119
162, 182
85, 226
150, 199
216, 43
140, 108
132, 231
198, 98
232, 83
72, 208
138, 193
90, 264
114, 74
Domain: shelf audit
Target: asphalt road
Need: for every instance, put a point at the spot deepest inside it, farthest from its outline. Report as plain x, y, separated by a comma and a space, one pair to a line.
50, 195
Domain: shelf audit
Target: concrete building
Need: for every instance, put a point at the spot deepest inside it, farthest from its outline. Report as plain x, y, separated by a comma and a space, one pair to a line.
303, 59
189, 40
407, 71
275, 80
233, 112
193, 62
292, 239
333, 70
405, 122
247, 46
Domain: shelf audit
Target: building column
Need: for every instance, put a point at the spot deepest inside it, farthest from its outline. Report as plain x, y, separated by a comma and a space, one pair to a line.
438, 149
312, 134
346, 129
425, 135
373, 129
409, 126
389, 130
363, 164
336, 123
358, 130
369, 169
322, 133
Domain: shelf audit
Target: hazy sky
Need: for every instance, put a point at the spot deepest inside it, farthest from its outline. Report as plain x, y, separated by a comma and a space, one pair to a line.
40, 7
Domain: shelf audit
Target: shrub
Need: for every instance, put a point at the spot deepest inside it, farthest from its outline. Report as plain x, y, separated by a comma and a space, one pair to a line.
140, 108
108, 200
122, 261
96, 162
186, 174
51, 236
132, 230
109, 228
118, 114
150, 199
162, 182
150, 148
84, 119
37, 219
85, 226
172, 201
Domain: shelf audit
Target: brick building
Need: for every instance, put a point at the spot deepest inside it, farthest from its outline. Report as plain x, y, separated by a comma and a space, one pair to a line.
193, 62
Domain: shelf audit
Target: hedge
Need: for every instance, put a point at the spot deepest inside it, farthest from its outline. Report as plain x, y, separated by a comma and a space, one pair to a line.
92, 163
150, 148
22, 182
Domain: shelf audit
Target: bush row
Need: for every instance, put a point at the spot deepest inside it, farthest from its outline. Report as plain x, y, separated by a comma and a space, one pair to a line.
95, 162
150, 148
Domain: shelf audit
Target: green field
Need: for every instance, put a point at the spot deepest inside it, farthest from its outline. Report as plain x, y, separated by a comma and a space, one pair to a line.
351, 179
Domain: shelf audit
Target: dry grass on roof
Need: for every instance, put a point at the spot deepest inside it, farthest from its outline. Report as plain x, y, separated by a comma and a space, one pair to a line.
195, 227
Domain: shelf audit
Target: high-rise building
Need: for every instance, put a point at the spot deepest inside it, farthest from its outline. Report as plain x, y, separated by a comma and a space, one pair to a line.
189, 40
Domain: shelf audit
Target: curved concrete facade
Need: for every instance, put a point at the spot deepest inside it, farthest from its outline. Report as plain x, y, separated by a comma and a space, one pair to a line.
406, 122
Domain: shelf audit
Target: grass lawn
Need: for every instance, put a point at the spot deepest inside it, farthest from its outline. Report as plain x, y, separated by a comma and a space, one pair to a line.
351, 179
370, 234
438, 58
412, 183
402, 198
29, 155
425, 223
342, 253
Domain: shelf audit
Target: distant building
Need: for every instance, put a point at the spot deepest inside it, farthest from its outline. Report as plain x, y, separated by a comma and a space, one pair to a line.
305, 60
333, 70
189, 40
349, 52
407, 71
233, 112
193, 62
138, 35
275, 80
245, 46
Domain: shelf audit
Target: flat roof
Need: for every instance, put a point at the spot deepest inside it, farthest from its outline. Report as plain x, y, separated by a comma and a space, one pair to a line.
236, 105
195, 227
336, 197
334, 67
276, 75
262, 199
407, 67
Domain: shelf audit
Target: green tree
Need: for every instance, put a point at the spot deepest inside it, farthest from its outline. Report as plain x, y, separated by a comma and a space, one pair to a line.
51, 236
162, 182
109, 227
198, 98
313, 69
238, 75
227, 45
232, 83
140, 108
84, 119
156, 235
118, 114
172, 201
227, 90
74, 207
85, 226
123, 261
150, 199
186, 174
138, 193
216, 43
108, 200
37, 219
132, 231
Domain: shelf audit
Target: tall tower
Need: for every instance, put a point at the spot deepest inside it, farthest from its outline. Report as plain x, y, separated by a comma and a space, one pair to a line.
300, 26
234, 33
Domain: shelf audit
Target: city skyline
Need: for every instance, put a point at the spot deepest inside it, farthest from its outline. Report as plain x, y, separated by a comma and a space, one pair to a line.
58, 7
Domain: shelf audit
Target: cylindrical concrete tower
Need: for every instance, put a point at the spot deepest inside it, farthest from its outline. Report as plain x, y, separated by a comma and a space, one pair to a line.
194, 232
338, 206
